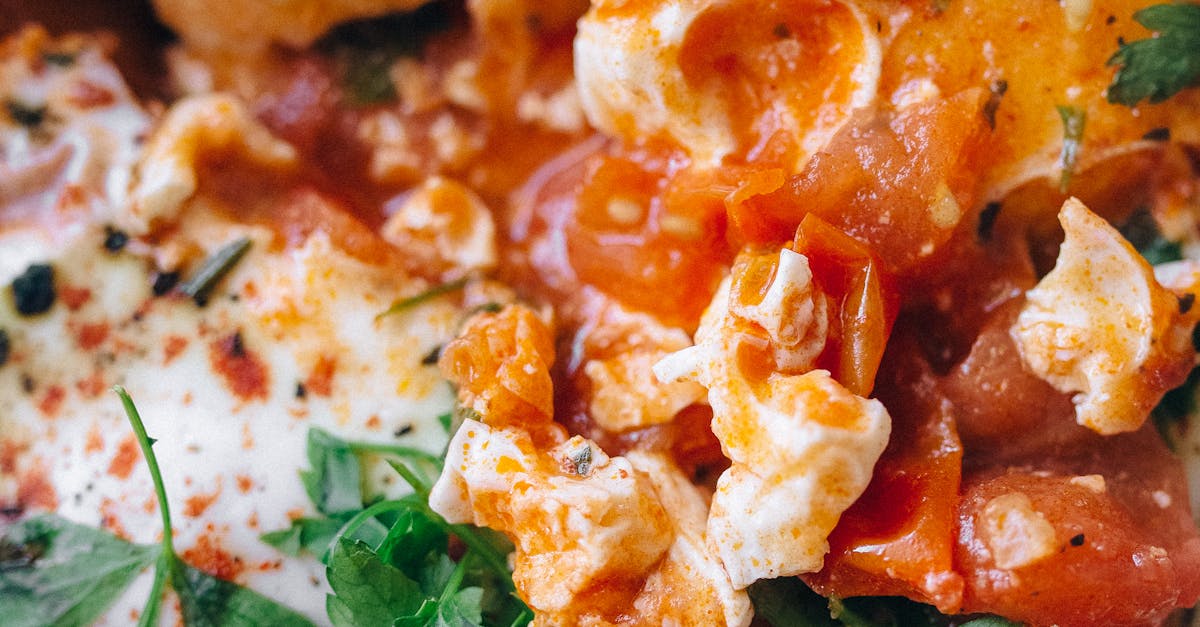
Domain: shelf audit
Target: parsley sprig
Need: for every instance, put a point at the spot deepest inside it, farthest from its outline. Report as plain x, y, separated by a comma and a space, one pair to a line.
396, 561
53, 571
1158, 67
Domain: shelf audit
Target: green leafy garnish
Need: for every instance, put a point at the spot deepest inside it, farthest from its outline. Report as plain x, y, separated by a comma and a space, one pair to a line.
1143, 232
389, 562
423, 297
205, 600
1073, 121
220, 263
1158, 67
363, 51
56, 572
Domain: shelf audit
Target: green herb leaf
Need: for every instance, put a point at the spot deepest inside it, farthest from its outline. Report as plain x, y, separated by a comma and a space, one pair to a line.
205, 600
787, 602
313, 535
1158, 67
428, 295
334, 482
199, 288
366, 590
209, 601
56, 572
990, 621
1073, 120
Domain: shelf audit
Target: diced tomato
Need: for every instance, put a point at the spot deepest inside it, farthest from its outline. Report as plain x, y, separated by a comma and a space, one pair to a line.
1126, 553
913, 168
633, 226
898, 538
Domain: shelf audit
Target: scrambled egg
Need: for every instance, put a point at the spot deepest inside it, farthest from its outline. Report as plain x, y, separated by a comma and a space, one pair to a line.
1100, 326
802, 446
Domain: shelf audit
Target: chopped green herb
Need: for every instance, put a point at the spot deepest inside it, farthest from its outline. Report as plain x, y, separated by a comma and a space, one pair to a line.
389, 562
333, 481
1143, 232
426, 296
1172, 412
1158, 67
56, 572
33, 290
363, 51
1073, 120
61, 59
582, 461
26, 115
164, 282
201, 285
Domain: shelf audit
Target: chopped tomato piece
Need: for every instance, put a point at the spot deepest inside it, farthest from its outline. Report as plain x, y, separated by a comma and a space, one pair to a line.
912, 168
898, 538
1120, 547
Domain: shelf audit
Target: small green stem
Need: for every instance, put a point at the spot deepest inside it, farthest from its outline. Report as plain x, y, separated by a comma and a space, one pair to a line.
398, 451
456, 579
146, 443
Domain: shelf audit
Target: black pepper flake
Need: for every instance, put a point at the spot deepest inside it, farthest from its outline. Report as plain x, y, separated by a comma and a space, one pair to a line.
27, 383
10, 511
403, 431
1160, 134
301, 391
432, 358
114, 239
1110, 20
164, 282
998, 89
236, 347
1077, 540
1185, 303
5, 347
987, 221
1196, 338
33, 290
782, 31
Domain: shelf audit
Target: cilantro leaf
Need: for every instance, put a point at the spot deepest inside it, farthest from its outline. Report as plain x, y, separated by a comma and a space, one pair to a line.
1073, 121
334, 482
1158, 67
366, 590
207, 600
53, 571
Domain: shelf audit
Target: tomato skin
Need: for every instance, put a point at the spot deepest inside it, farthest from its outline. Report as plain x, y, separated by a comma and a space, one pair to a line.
866, 299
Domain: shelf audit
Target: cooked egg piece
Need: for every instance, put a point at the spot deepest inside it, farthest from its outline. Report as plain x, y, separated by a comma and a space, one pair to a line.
802, 447
1100, 326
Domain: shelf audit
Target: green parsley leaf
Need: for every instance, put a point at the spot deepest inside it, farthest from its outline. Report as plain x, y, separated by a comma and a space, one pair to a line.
334, 482
313, 535
1143, 232
1158, 67
209, 601
366, 590
56, 572
1073, 121
786, 601
204, 599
